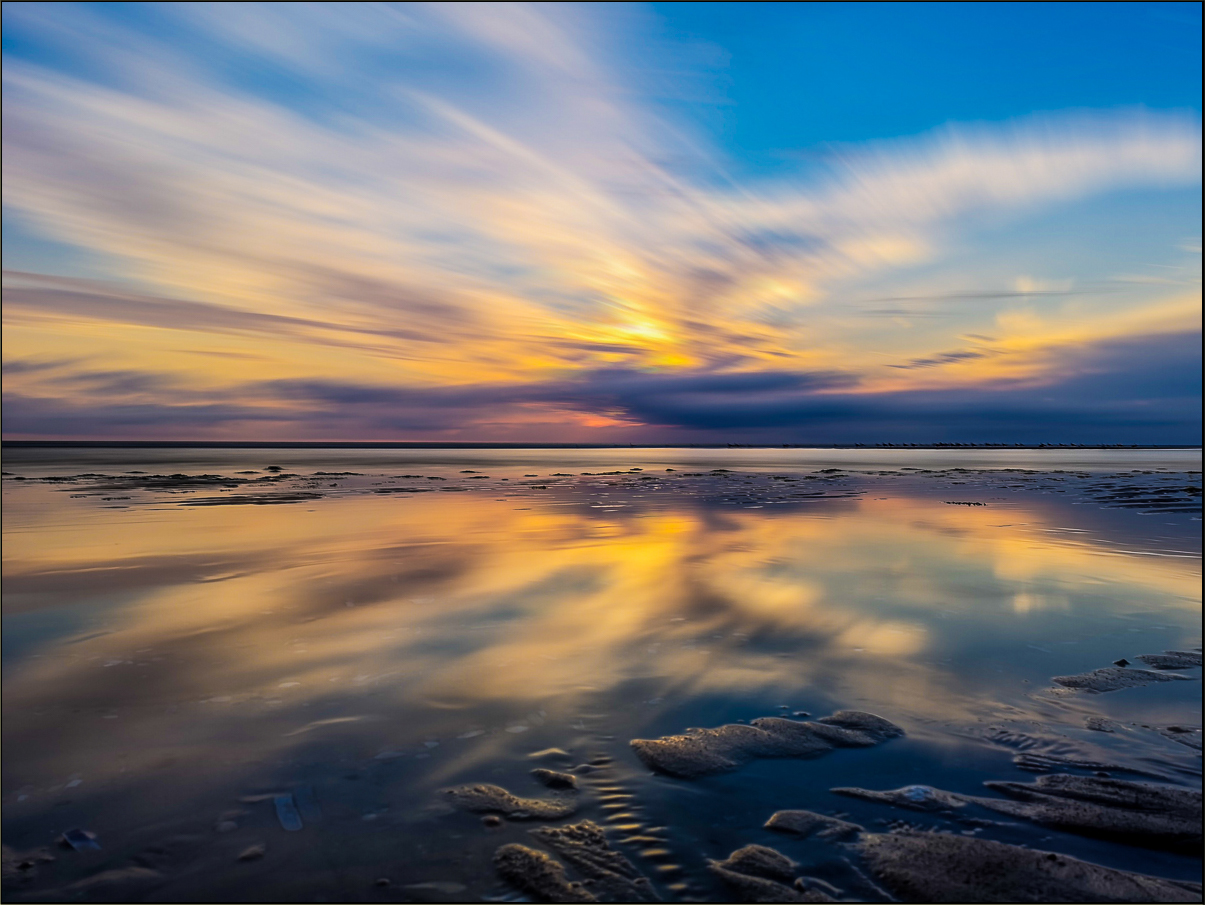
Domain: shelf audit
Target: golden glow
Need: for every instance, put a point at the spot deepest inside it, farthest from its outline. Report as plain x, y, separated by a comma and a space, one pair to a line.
479, 249
550, 597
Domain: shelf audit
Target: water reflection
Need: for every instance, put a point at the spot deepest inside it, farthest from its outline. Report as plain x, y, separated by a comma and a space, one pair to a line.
454, 601
165, 654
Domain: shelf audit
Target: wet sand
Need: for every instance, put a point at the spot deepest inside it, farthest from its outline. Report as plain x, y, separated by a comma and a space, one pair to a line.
616, 677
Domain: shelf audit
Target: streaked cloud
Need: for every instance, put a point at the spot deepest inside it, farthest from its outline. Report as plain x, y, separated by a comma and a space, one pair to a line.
1147, 385
467, 196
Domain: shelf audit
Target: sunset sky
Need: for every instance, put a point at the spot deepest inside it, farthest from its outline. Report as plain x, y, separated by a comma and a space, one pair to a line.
603, 223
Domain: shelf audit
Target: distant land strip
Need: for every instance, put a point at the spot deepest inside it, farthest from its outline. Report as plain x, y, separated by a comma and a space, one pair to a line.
434, 444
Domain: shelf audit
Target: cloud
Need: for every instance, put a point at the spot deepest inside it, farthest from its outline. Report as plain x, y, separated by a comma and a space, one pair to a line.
17, 366
63, 297
993, 295
1142, 389
41, 417
469, 195
942, 358
111, 384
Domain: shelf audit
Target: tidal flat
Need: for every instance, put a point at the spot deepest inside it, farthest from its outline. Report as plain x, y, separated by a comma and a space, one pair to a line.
601, 675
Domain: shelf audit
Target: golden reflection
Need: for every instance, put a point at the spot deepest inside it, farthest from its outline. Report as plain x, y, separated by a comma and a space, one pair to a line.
356, 612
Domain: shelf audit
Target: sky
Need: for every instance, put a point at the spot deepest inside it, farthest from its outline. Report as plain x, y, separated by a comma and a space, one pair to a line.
603, 223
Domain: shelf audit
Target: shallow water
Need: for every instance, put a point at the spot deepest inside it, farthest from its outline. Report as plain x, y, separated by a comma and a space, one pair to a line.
175, 651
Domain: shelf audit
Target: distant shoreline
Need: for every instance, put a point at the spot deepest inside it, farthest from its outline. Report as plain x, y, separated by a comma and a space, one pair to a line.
209, 444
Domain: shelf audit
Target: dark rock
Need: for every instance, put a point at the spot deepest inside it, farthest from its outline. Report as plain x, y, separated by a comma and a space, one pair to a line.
1122, 662
942, 867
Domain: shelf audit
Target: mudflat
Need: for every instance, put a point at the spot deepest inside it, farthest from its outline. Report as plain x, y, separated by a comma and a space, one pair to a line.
601, 675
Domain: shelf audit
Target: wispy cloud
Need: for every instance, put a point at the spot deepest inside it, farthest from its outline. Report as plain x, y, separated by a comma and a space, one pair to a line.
942, 358
470, 194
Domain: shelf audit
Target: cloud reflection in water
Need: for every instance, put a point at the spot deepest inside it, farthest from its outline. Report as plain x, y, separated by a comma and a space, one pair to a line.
444, 613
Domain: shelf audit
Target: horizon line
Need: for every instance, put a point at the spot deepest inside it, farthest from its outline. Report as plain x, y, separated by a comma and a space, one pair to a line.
469, 444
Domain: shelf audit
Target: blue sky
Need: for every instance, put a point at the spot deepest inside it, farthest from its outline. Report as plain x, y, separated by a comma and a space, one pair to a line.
609, 222
802, 75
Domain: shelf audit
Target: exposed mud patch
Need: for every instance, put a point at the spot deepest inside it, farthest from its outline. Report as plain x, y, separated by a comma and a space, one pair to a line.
756, 873
554, 779
259, 499
1190, 736
613, 878
1153, 816
726, 748
1113, 678
915, 798
760, 861
941, 867
809, 823
1143, 814
484, 798
538, 875
1172, 659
